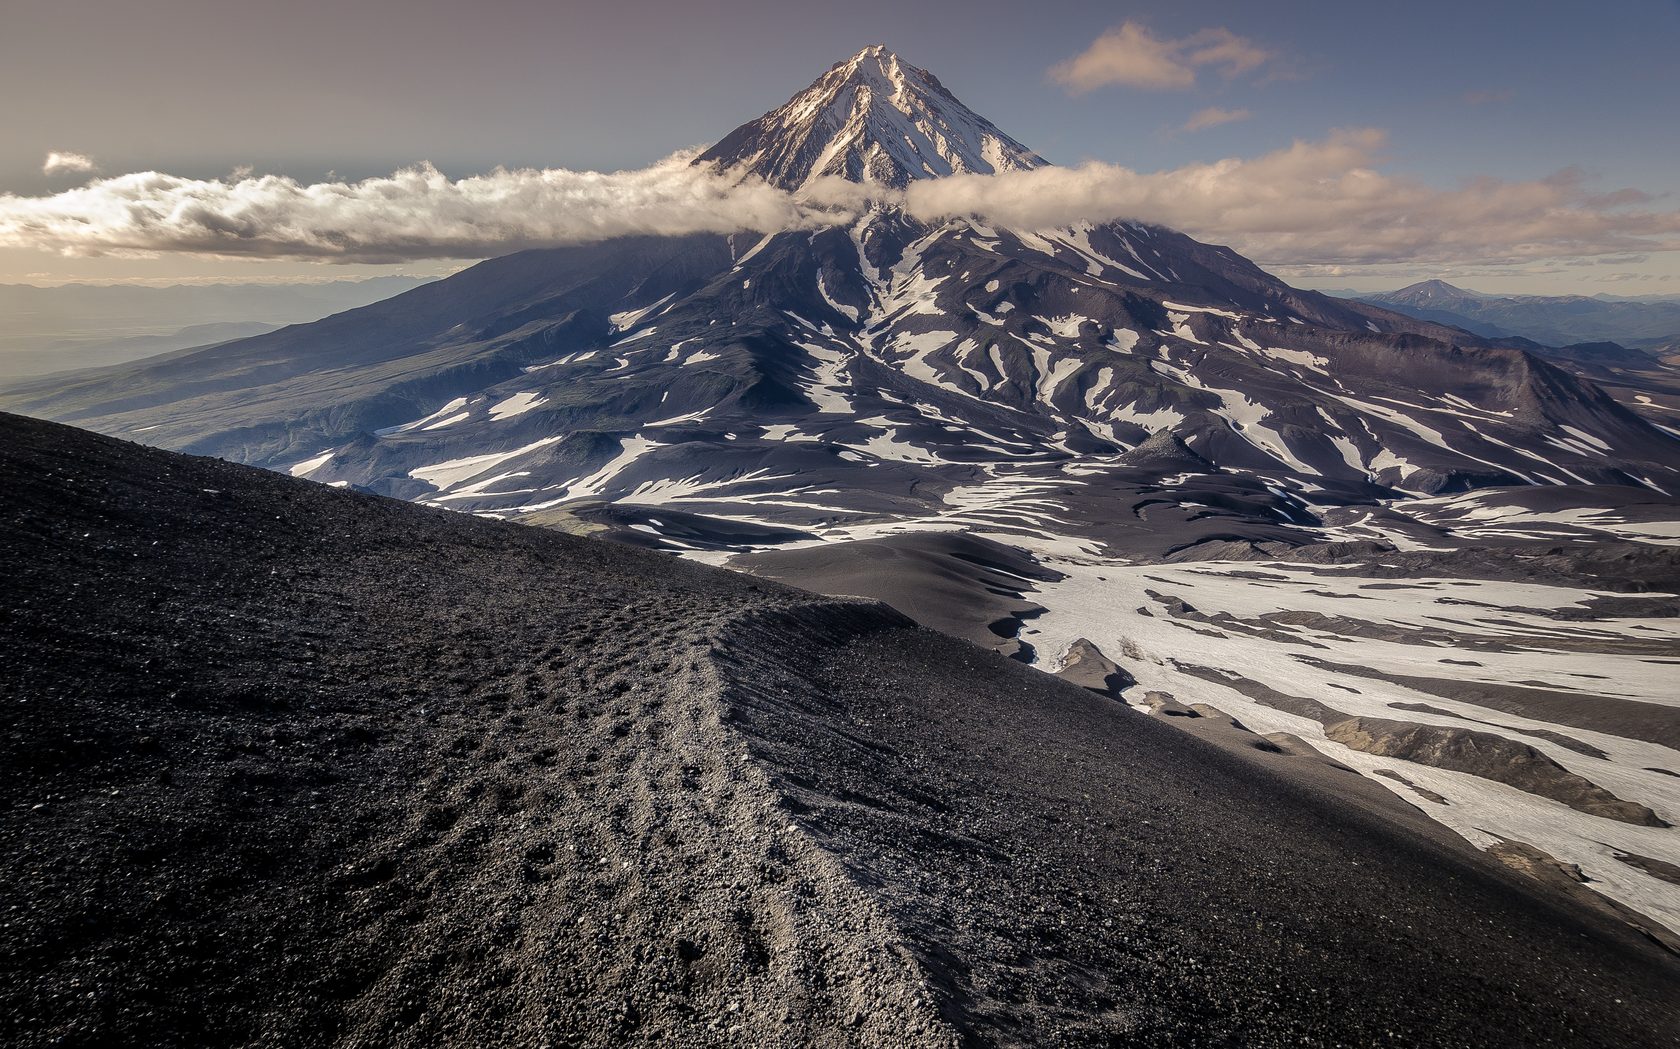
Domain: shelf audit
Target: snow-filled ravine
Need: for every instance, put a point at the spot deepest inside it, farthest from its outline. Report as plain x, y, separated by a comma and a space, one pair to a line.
1621, 659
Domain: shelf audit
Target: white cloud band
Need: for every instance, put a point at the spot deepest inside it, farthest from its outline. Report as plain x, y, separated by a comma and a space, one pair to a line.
415, 213
1322, 203
1310, 204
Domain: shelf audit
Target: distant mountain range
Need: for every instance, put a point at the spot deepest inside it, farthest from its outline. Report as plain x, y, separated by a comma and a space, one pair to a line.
67, 326
1554, 320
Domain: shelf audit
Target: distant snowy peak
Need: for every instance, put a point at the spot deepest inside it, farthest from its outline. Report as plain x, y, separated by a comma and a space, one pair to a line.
872, 118
1435, 292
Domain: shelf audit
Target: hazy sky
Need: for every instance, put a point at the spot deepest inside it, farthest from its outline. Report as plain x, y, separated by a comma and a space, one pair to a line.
325, 92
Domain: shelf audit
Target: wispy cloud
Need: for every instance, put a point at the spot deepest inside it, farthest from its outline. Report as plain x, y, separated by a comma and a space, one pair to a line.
60, 163
1643, 278
1312, 204
1131, 55
1213, 116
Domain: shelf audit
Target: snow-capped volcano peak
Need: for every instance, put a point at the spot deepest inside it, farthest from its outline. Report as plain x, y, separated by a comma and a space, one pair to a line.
871, 118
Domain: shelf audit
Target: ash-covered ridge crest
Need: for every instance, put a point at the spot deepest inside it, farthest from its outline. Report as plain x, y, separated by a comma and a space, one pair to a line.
872, 118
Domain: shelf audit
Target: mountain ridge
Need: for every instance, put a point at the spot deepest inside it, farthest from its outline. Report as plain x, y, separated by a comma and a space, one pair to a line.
1552, 320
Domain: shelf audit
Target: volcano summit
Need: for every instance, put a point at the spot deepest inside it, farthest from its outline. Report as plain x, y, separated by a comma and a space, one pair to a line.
870, 119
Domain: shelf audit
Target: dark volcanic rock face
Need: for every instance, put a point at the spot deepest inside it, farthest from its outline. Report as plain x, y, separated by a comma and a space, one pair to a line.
1085, 665
301, 767
1489, 756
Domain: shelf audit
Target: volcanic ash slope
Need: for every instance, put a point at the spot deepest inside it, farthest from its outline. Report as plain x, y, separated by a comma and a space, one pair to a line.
293, 766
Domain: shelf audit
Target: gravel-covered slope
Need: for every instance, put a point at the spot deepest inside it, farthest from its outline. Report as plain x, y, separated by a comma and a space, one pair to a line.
1075, 873
290, 766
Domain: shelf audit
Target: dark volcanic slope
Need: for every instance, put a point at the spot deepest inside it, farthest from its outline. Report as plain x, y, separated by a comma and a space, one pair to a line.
300, 767
958, 584
288, 766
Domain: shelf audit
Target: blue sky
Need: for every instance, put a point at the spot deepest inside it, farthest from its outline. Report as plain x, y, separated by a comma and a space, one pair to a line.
193, 88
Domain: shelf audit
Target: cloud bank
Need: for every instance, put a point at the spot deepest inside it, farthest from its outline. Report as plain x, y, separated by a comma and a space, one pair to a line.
416, 213
1131, 55
1324, 203
1311, 204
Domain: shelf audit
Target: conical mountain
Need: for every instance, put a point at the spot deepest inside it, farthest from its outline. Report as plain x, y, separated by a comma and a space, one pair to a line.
1432, 293
872, 118
865, 376
1164, 450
